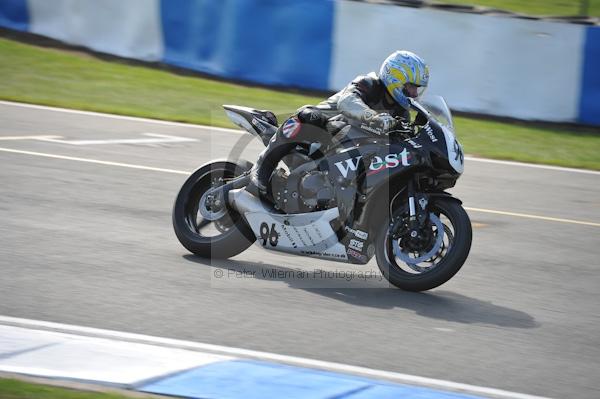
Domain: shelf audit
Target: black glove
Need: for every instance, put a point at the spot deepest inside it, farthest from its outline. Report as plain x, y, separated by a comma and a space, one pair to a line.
403, 127
312, 116
382, 124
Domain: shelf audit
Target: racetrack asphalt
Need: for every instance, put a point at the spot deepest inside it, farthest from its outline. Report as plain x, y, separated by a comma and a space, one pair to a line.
91, 244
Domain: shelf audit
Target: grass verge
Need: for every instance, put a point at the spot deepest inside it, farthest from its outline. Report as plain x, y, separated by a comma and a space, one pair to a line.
17, 389
77, 80
537, 7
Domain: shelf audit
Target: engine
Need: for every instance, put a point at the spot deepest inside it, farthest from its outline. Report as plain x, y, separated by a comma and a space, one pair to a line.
307, 192
316, 192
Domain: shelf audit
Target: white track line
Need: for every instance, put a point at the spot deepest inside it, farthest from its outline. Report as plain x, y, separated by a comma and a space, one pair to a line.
298, 361
532, 165
167, 123
183, 172
119, 117
524, 215
156, 139
14, 138
95, 161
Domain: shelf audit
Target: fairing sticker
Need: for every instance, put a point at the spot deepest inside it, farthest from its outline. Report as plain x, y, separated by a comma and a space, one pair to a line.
291, 128
378, 163
455, 153
304, 234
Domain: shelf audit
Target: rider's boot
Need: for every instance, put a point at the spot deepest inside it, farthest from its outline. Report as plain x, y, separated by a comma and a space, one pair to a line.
258, 186
260, 174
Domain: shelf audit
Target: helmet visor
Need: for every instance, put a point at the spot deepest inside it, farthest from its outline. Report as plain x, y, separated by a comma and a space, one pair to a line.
413, 91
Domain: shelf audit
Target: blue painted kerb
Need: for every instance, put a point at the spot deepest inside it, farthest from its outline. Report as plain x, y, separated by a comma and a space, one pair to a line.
248, 379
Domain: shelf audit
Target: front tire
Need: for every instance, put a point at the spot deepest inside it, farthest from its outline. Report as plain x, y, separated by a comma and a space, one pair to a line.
440, 267
230, 234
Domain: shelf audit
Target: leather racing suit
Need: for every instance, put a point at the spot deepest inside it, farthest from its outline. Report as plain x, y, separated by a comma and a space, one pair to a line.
364, 98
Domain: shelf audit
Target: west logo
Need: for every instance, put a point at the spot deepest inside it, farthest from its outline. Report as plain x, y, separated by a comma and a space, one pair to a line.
429, 131
378, 163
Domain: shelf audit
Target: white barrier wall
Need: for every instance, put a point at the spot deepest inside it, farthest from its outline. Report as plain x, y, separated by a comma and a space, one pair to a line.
493, 65
127, 28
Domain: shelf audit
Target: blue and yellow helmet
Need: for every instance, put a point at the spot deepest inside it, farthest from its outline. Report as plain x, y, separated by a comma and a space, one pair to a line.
402, 68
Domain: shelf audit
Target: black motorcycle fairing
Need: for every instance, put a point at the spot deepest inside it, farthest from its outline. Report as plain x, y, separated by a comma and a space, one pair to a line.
361, 174
262, 124
361, 166
432, 135
380, 168
370, 161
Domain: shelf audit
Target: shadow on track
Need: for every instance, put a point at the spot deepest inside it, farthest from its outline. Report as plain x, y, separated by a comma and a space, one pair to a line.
438, 304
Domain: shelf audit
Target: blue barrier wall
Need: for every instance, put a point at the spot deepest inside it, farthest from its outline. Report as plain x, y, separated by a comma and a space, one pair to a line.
589, 103
14, 14
270, 41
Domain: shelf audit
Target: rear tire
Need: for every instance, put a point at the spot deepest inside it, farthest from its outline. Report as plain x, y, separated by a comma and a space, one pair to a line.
233, 240
452, 260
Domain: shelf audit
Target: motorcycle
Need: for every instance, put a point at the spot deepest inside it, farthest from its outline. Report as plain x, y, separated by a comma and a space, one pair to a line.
365, 196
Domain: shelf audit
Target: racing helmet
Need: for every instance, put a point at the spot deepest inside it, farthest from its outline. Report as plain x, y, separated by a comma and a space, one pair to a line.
404, 75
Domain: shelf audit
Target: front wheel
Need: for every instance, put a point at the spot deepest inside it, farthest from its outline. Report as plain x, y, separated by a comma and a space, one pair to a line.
225, 233
432, 257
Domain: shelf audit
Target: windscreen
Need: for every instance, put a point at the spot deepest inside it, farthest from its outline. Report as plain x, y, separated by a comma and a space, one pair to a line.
438, 109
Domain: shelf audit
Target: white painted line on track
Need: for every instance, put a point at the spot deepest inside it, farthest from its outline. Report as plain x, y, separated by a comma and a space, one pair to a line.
182, 172
532, 165
157, 139
298, 361
204, 127
524, 215
119, 117
95, 161
15, 138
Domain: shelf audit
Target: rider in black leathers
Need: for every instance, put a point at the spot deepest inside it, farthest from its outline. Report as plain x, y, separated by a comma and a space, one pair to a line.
380, 102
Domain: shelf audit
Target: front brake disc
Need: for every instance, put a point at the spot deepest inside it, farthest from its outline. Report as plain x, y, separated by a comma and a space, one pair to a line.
406, 258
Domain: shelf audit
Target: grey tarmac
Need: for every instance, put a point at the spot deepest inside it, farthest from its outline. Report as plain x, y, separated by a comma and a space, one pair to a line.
91, 244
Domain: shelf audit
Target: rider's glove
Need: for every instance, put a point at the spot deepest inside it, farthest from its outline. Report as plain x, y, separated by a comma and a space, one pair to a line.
403, 127
382, 123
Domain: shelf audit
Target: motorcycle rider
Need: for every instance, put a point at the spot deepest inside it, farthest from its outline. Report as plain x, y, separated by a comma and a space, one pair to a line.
378, 101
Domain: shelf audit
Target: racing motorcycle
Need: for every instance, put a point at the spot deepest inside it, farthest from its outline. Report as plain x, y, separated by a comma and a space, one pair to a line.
364, 196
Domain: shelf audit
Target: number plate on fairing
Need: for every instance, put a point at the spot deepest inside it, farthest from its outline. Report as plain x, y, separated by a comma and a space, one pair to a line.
308, 234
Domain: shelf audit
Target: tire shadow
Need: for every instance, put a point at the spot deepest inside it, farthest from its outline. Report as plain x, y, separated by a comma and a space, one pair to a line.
376, 293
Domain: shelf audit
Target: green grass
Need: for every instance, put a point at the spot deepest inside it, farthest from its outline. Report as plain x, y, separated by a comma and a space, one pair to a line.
536, 7
16, 389
522, 142
76, 80
73, 80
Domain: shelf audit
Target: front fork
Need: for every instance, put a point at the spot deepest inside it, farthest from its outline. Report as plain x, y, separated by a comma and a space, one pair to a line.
417, 211
417, 208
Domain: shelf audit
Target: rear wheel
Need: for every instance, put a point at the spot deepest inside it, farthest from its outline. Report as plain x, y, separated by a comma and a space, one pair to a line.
205, 226
433, 256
